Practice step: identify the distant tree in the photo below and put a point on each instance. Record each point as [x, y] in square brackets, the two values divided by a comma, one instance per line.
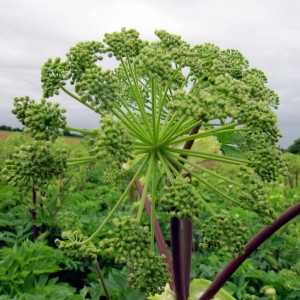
[295, 147]
[8, 128]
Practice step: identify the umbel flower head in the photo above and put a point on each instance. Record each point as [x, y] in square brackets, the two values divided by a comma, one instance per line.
[42, 120]
[74, 246]
[182, 200]
[129, 241]
[34, 166]
[113, 144]
[162, 98]
[224, 232]
[150, 275]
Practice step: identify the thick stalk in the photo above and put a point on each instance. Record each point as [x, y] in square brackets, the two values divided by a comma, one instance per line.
[177, 258]
[187, 246]
[250, 247]
[161, 244]
[187, 230]
[100, 275]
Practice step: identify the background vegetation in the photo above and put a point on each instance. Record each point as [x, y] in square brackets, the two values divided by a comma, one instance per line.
[37, 270]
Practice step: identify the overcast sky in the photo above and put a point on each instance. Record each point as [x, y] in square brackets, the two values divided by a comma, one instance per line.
[267, 32]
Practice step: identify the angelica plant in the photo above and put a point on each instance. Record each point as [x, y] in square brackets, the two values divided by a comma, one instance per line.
[158, 109]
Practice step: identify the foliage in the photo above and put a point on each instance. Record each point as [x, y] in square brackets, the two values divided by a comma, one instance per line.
[295, 147]
[25, 270]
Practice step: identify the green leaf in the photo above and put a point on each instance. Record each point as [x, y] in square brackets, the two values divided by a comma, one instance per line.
[199, 286]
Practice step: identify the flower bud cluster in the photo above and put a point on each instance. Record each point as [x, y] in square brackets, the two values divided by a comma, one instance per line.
[209, 62]
[43, 120]
[116, 177]
[253, 195]
[97, 87]
[83, 56]
[256, 80]
[182, 200]
[155, 62]
[268, 162]
[54, 74]
[259, 116]
[204, 57]
[224, 232]
[236, 64]
[129, 241]
[33, 166]
[124, 43]
[150, 275]
[113, 143]
[72, 246]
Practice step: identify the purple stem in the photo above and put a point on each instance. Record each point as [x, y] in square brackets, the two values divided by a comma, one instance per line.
[251, 246]
[187, 245]
[177, 258]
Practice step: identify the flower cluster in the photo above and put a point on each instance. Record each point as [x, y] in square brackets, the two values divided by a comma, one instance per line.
[113, 144]
[182, 200]
[268, 162]
[150, 275]
[42, 120]
[129, 242]
[33, 166]
[53, 76]
[253, 196]
[124, 43]
[224, 232]
[116, 177]
[97, 87]
[74, 246]
[155, 62]
[83, 56]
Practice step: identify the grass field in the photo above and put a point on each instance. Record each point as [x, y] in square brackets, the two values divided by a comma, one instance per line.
[5, 134]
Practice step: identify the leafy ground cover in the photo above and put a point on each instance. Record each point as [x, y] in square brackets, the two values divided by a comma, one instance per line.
[39, 271]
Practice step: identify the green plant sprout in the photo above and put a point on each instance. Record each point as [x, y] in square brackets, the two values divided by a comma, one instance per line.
[163, 111]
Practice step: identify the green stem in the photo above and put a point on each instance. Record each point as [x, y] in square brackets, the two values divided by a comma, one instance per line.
[153, 199]
[201, 134]
[139, 171]
[145, 190]
[139, 135]
[100, 275]
[167, 125]
[168, 136]
[209, 133]
[165, 166]
[132, 116]
[79, 162]
[88, 132]
[136, 92]
[222, 158]
[153, 100]
[188, 162]
[165, 94]
[203, 181]
[79, 100]
[187, 129]
[77, 159]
